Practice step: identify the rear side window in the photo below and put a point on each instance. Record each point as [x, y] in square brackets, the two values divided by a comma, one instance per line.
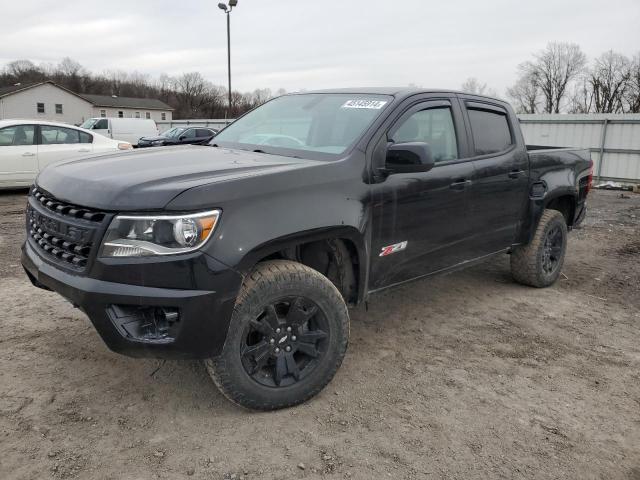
[203, 132]
[491, 133]
[50, 135]
[85, 137]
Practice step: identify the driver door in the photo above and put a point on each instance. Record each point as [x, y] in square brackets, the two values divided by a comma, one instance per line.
[420, 222]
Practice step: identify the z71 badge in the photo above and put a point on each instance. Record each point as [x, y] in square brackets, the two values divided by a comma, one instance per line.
[396, 247]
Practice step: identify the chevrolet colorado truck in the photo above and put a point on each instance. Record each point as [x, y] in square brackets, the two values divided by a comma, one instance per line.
[247, 252]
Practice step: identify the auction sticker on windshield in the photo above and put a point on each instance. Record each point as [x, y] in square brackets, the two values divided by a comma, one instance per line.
[373, 104]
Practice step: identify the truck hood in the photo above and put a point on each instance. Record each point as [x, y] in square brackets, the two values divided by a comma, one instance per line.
[149, 179]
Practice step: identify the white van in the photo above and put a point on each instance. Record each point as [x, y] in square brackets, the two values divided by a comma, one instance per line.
[125, 129]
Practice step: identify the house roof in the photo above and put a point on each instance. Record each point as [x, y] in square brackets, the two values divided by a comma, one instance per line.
[126, 102]
[4, 91]
[96, 100]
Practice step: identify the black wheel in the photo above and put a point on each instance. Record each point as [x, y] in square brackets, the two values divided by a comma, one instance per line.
[288, 336]
[539, 263]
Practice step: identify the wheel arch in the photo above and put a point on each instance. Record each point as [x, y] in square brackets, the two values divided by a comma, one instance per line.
[348, 246]
[562, 199]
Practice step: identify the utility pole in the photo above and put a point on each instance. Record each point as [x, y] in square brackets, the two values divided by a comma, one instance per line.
[227, 9]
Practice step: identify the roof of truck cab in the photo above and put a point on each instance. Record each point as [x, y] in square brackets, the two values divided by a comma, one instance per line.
[399, 92]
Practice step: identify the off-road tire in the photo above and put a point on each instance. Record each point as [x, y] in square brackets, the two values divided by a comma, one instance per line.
[527, 260]
[268, 281]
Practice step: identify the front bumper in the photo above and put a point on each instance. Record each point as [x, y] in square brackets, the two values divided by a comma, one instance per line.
[204, 312]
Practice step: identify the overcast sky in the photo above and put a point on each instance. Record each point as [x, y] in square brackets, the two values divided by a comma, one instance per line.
[306, 44]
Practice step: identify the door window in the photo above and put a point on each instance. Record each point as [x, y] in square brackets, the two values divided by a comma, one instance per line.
[491, 133]
[191, 133]
[433, 126]
[16, 135]
[50, 135]
[203, 132]
[102, 124]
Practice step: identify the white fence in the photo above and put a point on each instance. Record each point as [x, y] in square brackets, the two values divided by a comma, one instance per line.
[613, 139]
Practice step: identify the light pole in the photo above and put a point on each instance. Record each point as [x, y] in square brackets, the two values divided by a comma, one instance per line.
[227, 10]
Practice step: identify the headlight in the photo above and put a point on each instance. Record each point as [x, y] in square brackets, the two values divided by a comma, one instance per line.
[141, 236]
[157, 142]
[125, 146]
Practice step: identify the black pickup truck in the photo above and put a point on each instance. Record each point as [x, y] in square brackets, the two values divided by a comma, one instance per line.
[247, 252]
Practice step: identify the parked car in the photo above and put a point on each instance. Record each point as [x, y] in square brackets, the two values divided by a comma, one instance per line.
[27, 146]
[179, 136]
[248, 254]
[125, 129]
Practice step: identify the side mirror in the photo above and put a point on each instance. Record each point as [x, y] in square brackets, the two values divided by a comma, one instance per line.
[409, 157]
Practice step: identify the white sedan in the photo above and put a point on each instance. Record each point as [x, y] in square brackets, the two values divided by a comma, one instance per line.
[27, 146]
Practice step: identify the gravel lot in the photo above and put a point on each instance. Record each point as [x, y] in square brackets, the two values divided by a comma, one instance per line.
[464, 376]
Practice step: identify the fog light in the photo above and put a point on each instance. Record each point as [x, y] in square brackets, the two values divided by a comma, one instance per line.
[145, 324]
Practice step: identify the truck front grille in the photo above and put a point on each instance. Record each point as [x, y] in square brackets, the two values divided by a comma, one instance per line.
[65, 233]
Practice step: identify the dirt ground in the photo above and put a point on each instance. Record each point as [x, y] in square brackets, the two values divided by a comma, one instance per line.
[466, 376]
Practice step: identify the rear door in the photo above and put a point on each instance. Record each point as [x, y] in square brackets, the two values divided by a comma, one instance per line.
[203, 135]
[188, 136]
[420, 222]
[498, 193]
[61, 143]
[18, 155]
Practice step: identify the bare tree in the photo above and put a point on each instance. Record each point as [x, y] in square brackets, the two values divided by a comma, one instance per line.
[632, 96]
[23, 71]
[582, 99]
[472, 85]
[609, 80]
[72, 71]
[525, 94]
[194, 92]
[554, 68]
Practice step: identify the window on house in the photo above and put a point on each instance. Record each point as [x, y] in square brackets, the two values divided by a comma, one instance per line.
[40, 107]
[163, 116]
[137, 114]
[103, 113]
[147, 115]
[59, 108]
[120, 114]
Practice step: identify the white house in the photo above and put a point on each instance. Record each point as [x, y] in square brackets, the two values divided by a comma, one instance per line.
[48, 101]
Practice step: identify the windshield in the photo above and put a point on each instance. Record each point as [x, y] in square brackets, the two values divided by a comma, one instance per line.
[314, 122]
[173, 132]
[89, 123]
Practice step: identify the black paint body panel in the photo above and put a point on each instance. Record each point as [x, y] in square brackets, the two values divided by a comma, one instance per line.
[453, 215]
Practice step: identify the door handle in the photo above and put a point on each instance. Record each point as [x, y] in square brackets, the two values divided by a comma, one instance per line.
[515, 173]
[84, 150]
[460, 184]
[28, 154]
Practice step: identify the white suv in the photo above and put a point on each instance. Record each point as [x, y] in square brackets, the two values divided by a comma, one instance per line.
[27, 146]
